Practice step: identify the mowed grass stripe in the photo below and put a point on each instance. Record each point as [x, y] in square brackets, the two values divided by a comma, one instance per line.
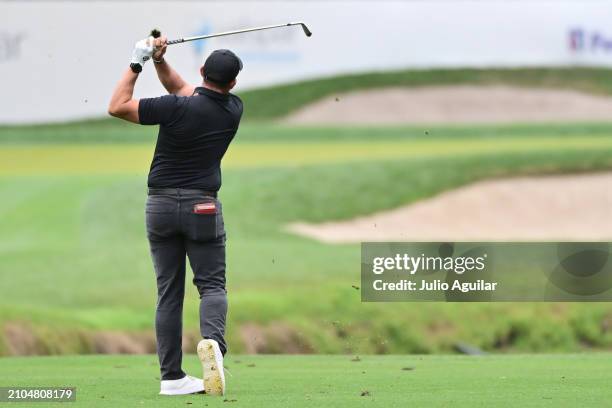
[135, 158]
[334, 381]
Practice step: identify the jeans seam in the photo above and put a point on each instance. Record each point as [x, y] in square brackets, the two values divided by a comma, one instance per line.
[178, 210]
[216, 231]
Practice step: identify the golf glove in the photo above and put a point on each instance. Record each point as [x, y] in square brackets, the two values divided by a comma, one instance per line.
[143, 50]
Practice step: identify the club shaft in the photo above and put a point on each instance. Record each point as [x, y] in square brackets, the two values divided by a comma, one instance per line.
[245, 30]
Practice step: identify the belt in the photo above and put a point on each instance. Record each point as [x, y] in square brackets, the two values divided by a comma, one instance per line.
[181, 192]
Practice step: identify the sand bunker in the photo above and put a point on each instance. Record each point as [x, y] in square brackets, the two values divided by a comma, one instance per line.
[571, 207]
[455, 104]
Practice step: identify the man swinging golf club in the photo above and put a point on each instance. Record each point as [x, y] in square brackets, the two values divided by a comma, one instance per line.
[183, 214]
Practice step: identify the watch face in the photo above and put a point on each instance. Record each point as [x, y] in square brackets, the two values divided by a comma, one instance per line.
[136, 67]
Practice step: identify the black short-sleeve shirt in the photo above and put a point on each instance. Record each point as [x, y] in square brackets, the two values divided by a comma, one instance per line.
[194, 134]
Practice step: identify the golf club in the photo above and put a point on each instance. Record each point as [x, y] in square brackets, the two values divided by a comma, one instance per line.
[156, 33]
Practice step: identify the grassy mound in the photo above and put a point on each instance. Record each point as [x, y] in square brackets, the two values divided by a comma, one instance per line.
[273, 102]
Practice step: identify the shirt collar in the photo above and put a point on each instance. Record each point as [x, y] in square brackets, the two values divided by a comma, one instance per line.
[209, 92]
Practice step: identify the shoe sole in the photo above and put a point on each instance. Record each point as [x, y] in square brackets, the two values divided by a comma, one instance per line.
[194, 389]
[212, 368]
[188, 391]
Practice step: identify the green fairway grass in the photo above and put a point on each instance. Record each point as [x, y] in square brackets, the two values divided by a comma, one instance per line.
[20, 160]
[333, 381]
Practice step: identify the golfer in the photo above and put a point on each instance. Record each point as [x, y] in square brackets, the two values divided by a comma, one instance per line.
[183, 213]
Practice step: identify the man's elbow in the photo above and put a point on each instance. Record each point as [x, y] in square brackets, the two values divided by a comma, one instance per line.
[126, 111]
[114, 111]
[119, 111]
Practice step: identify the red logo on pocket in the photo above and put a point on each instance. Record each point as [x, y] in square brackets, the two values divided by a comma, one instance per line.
[205, 208]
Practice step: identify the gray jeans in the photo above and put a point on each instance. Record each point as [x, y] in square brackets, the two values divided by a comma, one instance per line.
[184, 223]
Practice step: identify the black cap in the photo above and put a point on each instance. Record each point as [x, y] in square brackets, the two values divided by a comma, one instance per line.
[222, 66]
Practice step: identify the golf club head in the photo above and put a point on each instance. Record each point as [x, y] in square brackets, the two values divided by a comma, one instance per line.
[306, 30]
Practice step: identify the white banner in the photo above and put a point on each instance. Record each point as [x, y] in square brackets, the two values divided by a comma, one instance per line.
[60, 60]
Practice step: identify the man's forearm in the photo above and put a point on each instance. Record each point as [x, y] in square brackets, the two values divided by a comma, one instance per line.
[125, 88]
[169, 78]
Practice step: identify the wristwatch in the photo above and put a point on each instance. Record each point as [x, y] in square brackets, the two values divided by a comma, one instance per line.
[135, 67]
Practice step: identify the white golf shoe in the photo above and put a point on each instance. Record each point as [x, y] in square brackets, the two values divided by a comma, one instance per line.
[186, 385]
[212, 366]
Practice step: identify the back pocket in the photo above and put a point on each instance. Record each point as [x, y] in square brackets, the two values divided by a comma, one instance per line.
[203, 220]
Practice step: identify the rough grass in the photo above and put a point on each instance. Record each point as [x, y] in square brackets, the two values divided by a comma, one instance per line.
[333, 381]
[118, 132]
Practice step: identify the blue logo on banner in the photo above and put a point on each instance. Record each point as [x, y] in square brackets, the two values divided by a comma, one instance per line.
[200, 46]
[576, 40]
[581, 41]
[260, 47]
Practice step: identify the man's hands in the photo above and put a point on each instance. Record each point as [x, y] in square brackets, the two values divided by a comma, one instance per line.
[160, 44]
[143, 50]
[146, 49]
